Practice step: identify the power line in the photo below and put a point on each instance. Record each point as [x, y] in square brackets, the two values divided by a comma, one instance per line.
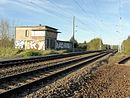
[102, 24]
[105, 25]
[67, 12]
[54, 4]
[120, 7]
[58, 7]
[85, 12]
[80, 7]
[50, 12]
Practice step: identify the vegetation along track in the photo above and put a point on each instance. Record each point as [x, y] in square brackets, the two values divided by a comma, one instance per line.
[14, 84]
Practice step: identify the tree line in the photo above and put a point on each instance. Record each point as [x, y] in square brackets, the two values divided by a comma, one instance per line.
[126, 45]
[94, 44]
[97, 44]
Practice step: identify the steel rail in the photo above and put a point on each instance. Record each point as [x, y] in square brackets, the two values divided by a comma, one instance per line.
[124, 60]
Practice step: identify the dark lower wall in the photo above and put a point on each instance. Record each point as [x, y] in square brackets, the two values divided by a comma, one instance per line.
[63, 45]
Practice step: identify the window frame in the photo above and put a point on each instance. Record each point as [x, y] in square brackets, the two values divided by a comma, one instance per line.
[26, 33]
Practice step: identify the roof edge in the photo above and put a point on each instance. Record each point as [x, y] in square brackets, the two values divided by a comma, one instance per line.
[35, 27]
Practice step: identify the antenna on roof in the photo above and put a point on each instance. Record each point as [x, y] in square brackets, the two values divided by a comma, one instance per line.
[39, 24]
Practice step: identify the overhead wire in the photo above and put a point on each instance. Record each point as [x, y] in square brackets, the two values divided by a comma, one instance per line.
[51, 12]
[95, 12]
[120, 7]
[83, 24]
[68, 13]
[63, 10]
[59, 8]
[94, 22]
[99, 17]
[54, 4]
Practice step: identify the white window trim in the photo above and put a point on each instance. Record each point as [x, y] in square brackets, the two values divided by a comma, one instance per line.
[37, 33]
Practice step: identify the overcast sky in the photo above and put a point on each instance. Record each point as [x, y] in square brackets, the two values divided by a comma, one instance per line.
[93, 18]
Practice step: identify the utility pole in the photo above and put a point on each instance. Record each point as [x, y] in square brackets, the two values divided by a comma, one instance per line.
[120, 48]
[100, 42]
[73, 30]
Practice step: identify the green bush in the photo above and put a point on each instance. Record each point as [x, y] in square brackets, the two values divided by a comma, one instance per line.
[83, 45]
[32, 53]
[126, 45]
[94, 44]
[75, 42]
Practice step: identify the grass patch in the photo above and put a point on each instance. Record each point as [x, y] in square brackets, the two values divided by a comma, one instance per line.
[29, 53]
[17, 53]
[47, 52]
[8, 53]
[118, 56]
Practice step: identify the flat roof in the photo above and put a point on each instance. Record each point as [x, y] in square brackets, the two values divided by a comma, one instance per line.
[45, 30]
[36, 26]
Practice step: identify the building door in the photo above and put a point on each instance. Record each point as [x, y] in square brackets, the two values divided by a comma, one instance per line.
[47, 44]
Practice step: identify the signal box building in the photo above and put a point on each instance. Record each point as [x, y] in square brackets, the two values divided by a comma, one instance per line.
[39, 37]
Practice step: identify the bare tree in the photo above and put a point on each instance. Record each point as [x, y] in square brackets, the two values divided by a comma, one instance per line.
[6, 34]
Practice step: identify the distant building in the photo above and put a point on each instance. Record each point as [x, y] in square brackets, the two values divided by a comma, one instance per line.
[38, 37]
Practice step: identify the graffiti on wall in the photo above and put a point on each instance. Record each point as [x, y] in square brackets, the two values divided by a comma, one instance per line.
[19, 44]
[30, 44]
[40, 44]
[62, 45]
[35, 44]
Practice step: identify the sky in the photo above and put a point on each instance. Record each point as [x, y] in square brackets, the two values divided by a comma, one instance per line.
[93, 18]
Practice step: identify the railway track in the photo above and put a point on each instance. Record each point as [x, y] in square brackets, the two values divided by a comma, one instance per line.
[15, 84]
[28, 60]
[10, 70]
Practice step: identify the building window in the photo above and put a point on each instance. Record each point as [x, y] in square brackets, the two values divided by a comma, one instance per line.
[26, 33]
[37, 33]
